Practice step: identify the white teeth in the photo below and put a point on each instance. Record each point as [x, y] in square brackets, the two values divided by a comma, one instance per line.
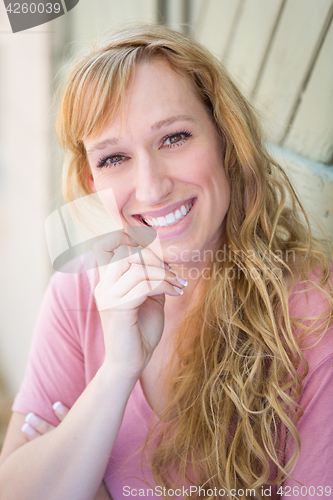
[178, 214]
[170, 218]
[161, 221]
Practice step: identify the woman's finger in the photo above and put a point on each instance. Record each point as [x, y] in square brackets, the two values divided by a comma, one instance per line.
[35, 426]
[29, 432]
[138, 273]
[38, 423]
[121, 263]
[138, 294]
[127, 286]
[60, 410]
[104, 249]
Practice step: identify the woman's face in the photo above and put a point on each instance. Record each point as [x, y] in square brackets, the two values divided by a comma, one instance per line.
[162, 158]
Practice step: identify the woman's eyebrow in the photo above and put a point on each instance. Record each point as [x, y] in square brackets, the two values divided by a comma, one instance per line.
[172, 119]
[102, 145]
[113, 141]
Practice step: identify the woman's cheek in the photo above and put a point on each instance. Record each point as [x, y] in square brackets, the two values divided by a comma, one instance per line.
[110, 193]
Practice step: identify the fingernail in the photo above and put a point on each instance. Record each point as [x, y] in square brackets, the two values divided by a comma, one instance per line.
[59, 407]
[179, 290]
[32, 419]
[167, 267]
[27, 429]
[182, 281]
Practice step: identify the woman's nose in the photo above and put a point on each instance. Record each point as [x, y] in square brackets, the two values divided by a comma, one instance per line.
[153, 180]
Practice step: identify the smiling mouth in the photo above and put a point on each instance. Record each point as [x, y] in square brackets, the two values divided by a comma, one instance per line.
[170, 219]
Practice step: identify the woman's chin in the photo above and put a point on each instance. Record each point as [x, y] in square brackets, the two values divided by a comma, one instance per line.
[177, 254]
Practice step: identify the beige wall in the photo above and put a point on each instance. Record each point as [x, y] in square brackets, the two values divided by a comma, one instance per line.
[25, 189]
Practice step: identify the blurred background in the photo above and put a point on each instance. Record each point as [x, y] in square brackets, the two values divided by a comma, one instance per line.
[279, 52]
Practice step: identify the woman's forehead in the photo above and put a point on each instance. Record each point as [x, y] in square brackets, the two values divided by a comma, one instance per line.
[155, 95]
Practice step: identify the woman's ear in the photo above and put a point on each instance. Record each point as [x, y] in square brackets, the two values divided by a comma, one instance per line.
[91, 183]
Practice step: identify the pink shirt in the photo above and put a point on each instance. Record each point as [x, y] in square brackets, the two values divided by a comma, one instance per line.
[68, 349]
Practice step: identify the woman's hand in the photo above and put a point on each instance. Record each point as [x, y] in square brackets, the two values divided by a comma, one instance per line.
[35, 427]
[130, 297]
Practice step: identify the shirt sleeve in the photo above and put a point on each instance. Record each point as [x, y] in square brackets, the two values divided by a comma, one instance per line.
[55, 370]
[314, 467]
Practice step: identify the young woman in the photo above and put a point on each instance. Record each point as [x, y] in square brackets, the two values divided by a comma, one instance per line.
[202, 372]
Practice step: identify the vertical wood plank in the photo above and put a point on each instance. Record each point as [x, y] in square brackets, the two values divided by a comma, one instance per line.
[252, 37]
[313, 182]
[292, 54]
[312, 130]
[216, 26]
[174, 14]
[197, 10]
[107, 13]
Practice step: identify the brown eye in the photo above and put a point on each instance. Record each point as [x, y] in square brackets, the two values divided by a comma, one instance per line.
[111, 161]
[114, 159]
[175, 138]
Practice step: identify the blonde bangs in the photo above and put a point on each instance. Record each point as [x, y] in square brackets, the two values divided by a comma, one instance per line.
[93, 95]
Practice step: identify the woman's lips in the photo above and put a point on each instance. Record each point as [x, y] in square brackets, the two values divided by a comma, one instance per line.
[166, 210]
[176, 228]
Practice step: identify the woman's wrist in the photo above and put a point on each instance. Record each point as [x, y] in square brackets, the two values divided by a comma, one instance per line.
[113, 378]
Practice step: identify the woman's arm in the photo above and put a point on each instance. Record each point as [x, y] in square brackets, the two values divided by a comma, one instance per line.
[102, 493]
[20, 432]
[69, 461]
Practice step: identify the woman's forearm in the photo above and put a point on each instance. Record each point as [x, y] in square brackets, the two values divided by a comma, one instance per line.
[103, 493]
[70, 461]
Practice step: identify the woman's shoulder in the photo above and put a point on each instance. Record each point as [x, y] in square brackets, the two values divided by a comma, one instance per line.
[73, 284]
[69, 313]
[311, 307]
[313, 293]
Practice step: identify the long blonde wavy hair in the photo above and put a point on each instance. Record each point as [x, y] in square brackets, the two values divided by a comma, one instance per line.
[238, 380]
